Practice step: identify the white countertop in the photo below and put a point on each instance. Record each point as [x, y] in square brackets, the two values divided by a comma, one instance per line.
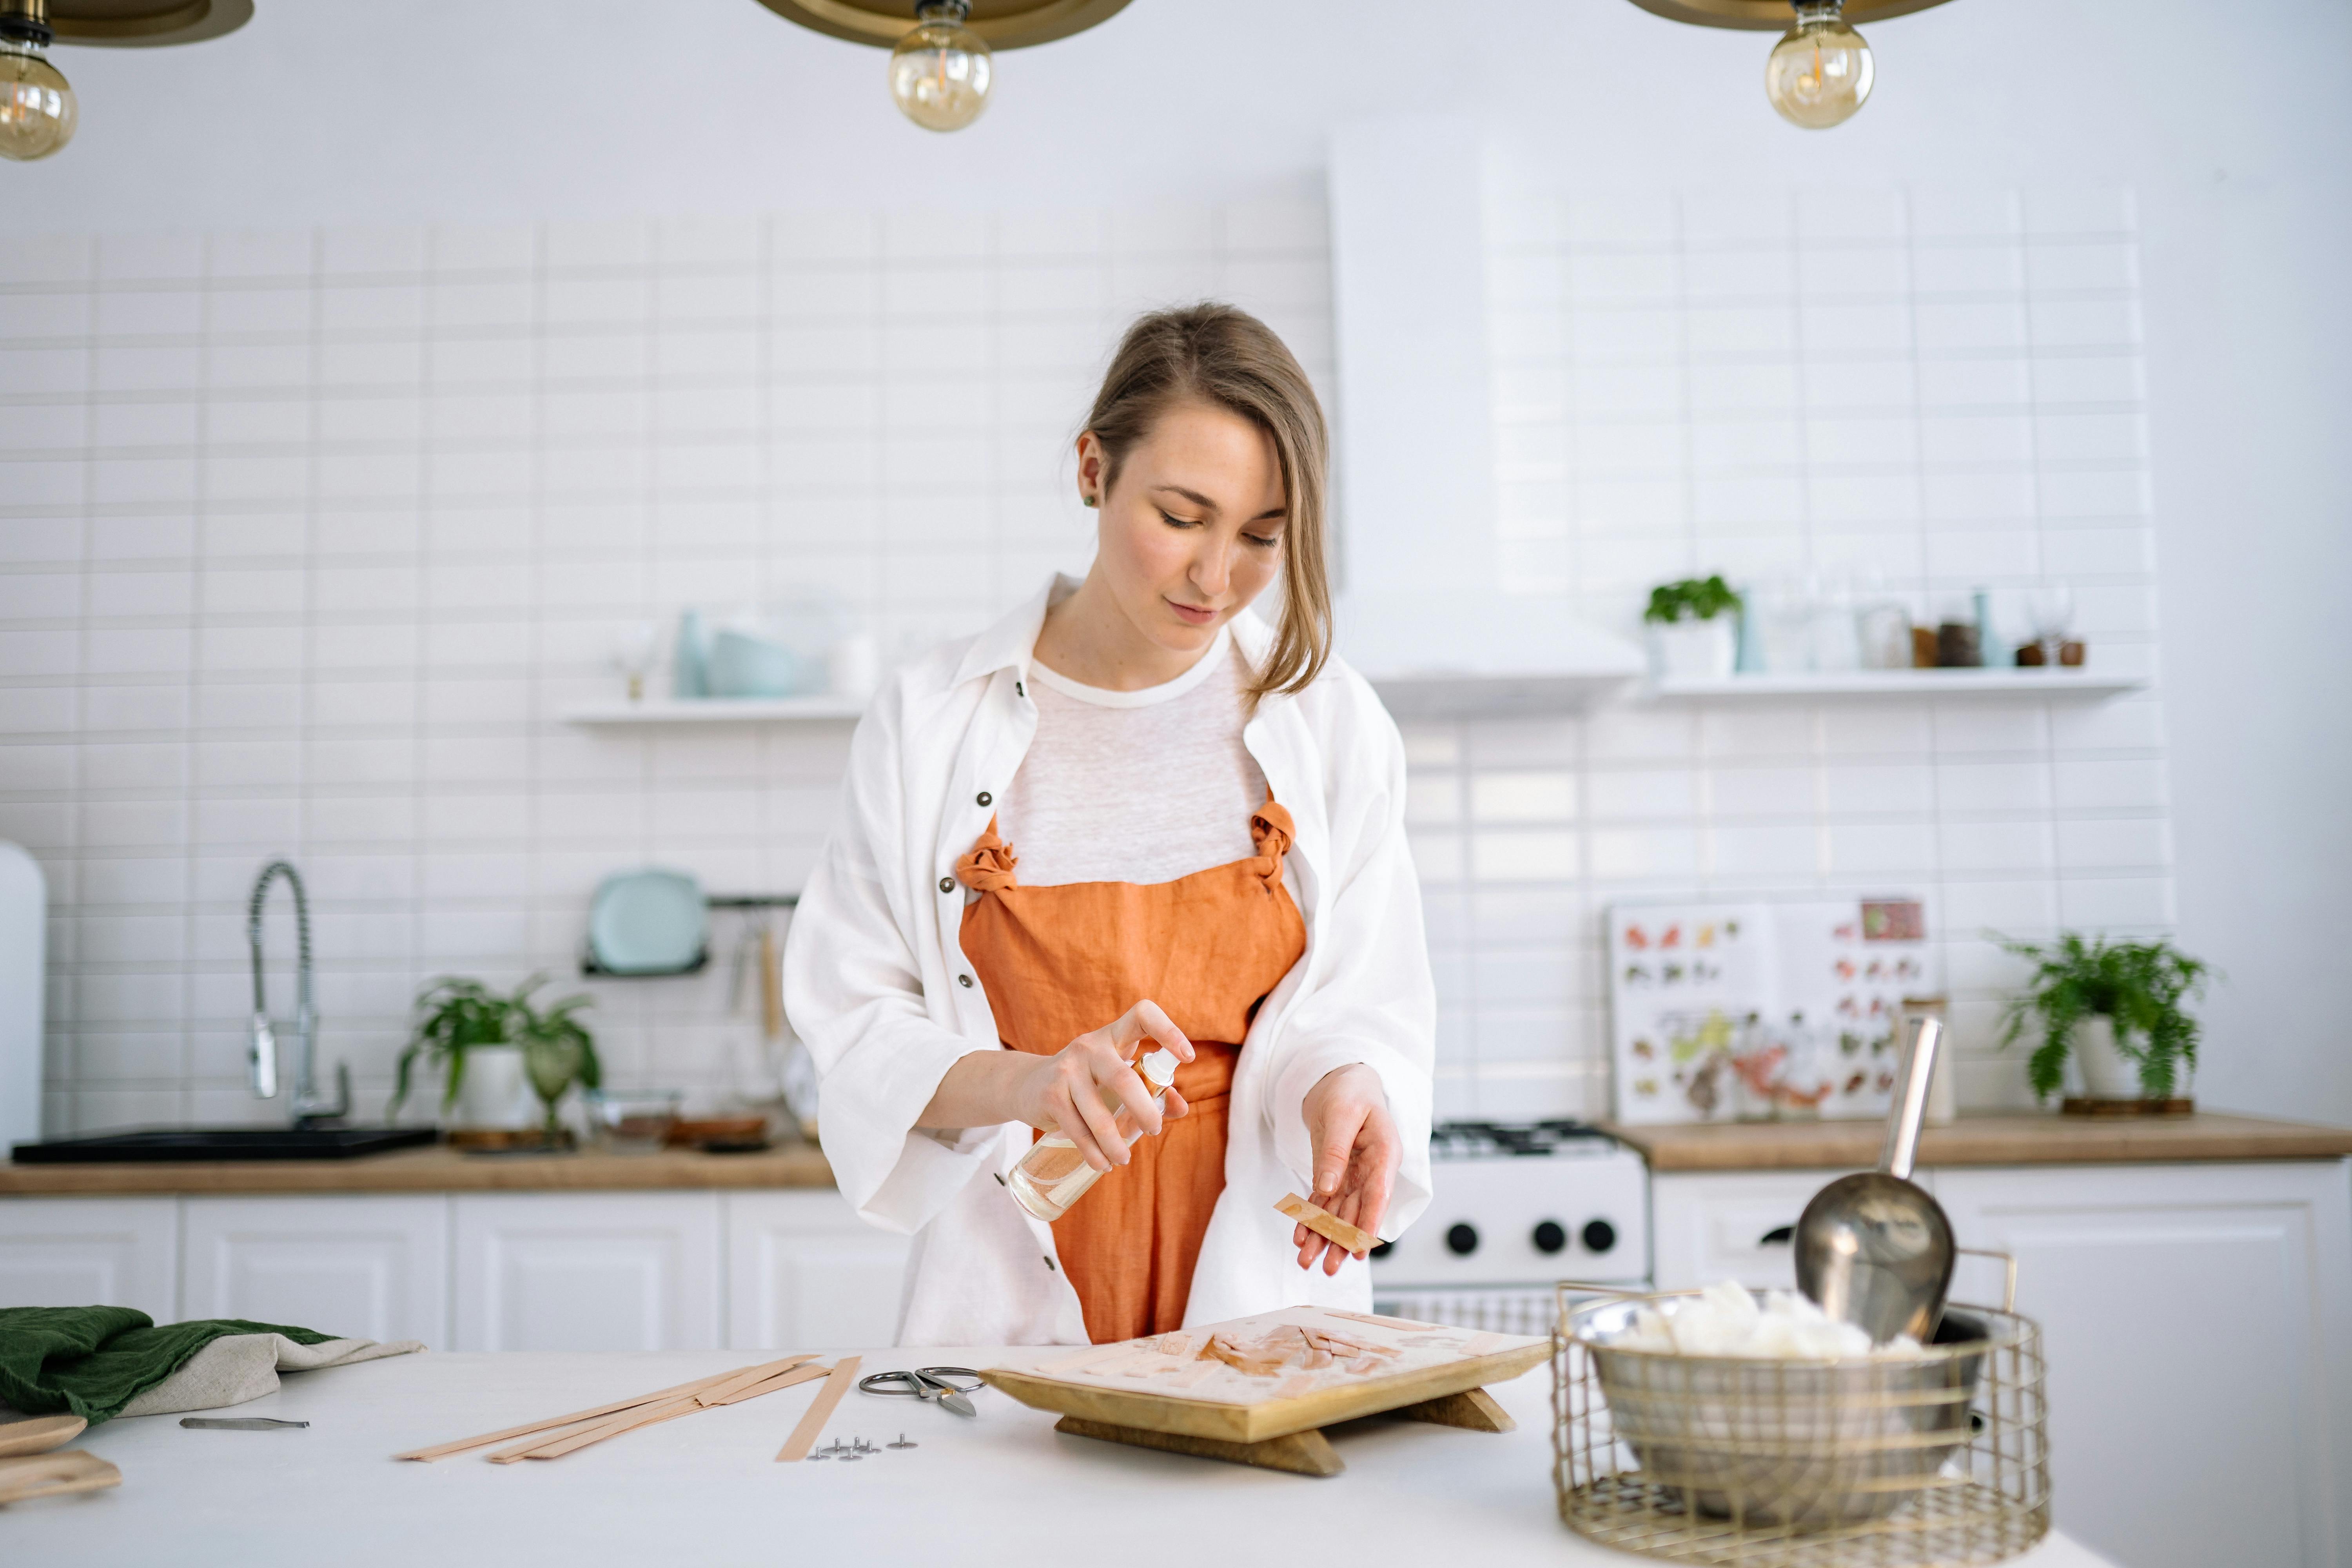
[1003, 1488]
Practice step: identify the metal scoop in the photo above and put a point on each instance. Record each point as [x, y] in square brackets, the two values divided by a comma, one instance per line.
[1874, 1248]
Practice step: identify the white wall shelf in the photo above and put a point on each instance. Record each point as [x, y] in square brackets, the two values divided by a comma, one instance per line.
[827, 709]
[2062, 685]
[1488, 696]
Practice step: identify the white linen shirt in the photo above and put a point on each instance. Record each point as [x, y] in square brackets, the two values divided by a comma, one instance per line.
[877, 983]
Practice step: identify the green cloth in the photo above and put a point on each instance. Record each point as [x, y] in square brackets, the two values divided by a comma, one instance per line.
[93, 1361]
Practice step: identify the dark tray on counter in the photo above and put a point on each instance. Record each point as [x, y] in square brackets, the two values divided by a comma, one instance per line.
[179, 1143]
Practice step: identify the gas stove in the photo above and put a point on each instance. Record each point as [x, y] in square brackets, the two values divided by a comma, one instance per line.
[1492, 1140]
[1518, 1205]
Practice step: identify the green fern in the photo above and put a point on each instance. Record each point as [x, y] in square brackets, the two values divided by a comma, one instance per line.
[2139, 986]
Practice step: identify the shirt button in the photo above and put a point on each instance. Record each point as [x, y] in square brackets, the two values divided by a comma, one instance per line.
[964, 981]
[985, 798]
[947, 884]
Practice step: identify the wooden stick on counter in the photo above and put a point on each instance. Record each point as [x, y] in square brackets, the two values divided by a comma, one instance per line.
[543, 1447]
[781, 1380]
[742, 1377]
[751, 1377]
[442, 1450]
[820, 1410]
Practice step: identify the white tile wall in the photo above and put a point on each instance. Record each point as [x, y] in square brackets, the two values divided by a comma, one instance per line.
[1941, 388]
[308, 538]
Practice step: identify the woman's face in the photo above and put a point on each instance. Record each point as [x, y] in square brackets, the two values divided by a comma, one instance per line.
[1191, 530]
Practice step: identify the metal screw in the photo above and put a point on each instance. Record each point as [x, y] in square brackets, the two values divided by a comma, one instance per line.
[902, 1443]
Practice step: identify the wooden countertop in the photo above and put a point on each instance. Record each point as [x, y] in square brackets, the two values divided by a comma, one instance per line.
[436, 1170]
[2046, 1138]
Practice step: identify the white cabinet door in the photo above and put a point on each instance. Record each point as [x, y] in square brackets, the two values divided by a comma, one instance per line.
[2197, 1320]
[587, 1271]
[804, 1273]
[358, 1267]
[92, 1252]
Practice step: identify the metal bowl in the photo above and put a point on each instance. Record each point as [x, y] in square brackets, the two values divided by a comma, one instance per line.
[1796, 1445]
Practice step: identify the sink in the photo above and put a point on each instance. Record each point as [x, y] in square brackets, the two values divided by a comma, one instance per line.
[222, 1144]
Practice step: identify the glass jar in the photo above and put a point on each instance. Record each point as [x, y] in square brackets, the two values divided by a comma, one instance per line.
[1052, 1174]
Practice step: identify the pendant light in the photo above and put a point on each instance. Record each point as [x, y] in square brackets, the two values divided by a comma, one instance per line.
[942, 51]
[1821, 71]
[38, 107]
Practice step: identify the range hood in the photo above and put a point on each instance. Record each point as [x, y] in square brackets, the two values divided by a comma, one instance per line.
[1422, 610]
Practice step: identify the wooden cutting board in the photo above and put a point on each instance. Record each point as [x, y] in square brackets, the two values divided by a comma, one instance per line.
[1155, 1394]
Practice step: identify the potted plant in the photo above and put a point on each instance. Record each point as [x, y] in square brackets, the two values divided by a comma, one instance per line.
[1693, 629]
[2118, 1008]
[488, 1044]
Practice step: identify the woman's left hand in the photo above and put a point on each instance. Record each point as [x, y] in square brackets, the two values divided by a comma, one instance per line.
[1356, 1154]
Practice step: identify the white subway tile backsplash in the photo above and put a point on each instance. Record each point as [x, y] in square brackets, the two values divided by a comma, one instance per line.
[2142, 905]
[400, 496]
[1529, 855]
[1788, 852]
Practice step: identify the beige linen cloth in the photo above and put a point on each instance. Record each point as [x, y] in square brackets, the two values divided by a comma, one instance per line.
[239, 1367]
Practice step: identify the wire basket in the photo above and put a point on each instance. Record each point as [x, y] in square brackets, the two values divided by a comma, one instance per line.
[1938, 1460]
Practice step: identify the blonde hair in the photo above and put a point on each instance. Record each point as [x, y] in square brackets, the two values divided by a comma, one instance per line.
[1228, 358]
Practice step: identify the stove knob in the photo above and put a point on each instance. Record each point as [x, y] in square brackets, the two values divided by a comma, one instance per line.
[1462, 1240]
[1549, 1236]
[1600, 1236]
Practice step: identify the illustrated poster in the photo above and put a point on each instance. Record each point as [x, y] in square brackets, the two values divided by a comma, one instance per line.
[1760, 1011]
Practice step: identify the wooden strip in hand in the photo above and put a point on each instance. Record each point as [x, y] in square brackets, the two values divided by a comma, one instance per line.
[804, 1436]
[442, 1450]
[1328, 1225]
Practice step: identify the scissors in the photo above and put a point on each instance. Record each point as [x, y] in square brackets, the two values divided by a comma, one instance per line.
[927, 1383]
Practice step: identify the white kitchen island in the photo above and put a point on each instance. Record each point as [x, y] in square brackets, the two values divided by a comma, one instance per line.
[1003, 1488]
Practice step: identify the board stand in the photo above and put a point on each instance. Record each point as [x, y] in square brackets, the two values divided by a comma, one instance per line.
[1307, 1453]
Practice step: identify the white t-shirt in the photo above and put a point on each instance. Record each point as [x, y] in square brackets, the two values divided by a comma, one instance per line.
[1134, 786]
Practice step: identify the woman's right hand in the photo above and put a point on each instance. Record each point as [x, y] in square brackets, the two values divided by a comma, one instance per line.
[1073, 1091]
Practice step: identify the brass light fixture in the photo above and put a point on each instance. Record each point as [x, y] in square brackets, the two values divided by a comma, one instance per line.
[38, 108]
[1820, 71]
[941, 51]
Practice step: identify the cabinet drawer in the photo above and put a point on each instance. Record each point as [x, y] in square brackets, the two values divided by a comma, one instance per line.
[806, 1273]
[82, 1252]
[355, 1266]
[591, 1271]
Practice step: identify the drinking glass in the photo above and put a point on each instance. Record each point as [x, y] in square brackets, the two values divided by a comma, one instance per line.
[2051, 609]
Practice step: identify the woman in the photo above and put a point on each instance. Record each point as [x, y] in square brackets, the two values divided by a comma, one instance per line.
[1127, 817]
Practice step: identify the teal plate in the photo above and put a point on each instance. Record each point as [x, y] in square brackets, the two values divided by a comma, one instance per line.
[652, 922]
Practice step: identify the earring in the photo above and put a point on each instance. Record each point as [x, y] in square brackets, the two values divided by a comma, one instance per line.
[1091, 500]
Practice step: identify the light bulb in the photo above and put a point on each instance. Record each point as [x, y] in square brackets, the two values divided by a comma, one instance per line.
[37, 104]
[1819, 71]
[940, 71]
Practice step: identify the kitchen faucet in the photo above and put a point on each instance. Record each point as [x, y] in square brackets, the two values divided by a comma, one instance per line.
[307, 1107]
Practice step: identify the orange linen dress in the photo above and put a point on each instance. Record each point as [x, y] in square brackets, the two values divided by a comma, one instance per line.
[1060, 960]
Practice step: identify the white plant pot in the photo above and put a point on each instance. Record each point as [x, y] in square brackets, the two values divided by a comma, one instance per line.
[1694, 650]
[2107, 1073]
[495, 1093]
